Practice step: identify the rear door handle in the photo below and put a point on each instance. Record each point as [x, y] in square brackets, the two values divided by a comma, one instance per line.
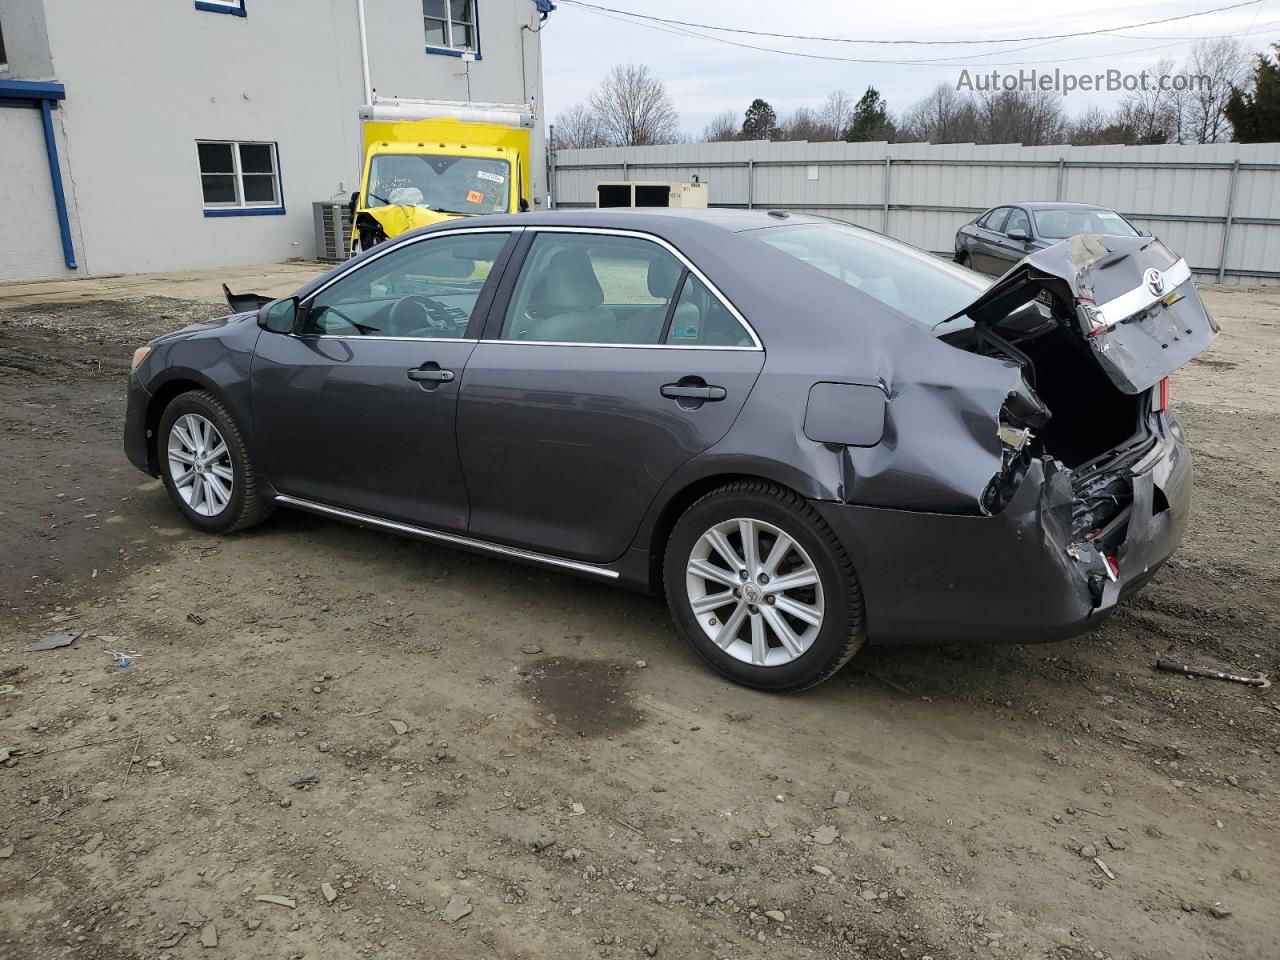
[430, 374]
[677, 391]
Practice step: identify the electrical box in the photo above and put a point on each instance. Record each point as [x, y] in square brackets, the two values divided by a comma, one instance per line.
[632, 193]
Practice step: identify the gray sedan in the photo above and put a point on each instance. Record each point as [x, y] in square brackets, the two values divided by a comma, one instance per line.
[996, 239]
[803, 434]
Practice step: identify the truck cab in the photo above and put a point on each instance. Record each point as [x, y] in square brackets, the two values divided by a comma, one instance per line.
[418, 172]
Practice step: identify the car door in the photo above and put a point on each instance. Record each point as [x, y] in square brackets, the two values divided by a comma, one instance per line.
[986, 241]
[608, 361]
[1010, 250]
[356, 408]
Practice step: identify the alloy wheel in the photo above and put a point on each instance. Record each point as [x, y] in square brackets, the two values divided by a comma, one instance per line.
[200, 465]
[755, 592]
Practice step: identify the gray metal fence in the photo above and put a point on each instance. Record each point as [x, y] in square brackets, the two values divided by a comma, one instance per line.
[1216, 204]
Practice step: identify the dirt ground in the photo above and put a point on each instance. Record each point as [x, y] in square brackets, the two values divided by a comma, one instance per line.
[515, 764]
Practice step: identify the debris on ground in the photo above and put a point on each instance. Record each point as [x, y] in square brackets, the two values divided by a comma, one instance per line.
[277, 900]
[306, 780]
[399, 726]
[329, 893]
[531, 648]
[53, 641]
[458, 907]
[541, 843]
[209, 935]
[1248, 679]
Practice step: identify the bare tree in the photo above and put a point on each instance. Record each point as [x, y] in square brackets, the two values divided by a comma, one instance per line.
[723, 126]
[1154, 110]
[944, 116]
[1214, 67]
[805, 124]
[634, 108]
[1030, 117]
[837, 113]
[578, 127]
[1097, 127]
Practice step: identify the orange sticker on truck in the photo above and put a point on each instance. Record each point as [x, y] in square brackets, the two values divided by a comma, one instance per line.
[475, 196]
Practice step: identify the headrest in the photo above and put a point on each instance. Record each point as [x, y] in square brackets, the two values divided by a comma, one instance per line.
[571, 282]
[663, 274]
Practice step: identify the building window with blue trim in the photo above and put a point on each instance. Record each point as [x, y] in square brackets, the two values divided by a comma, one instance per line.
[233, 7]
[451, 26]
[239, 179]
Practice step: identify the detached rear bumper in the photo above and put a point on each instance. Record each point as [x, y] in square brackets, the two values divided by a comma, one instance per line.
[1014, 577]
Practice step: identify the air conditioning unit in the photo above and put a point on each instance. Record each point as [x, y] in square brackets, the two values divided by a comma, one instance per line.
[657, 193]
[333, 230]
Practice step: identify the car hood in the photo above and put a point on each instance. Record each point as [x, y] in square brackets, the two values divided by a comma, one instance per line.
[1130, 298]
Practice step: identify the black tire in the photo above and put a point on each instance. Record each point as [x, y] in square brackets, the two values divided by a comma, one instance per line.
[246, 506]
[843, 628]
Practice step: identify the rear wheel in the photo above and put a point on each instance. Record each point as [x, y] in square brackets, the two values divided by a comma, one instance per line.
[205, 465]
[762, 589]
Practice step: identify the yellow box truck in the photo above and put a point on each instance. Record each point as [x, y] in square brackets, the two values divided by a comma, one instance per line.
[431, 160]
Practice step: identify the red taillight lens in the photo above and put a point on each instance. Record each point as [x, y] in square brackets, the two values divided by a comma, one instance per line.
[1162, 396]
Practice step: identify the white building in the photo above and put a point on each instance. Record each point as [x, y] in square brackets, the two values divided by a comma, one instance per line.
[150, 135]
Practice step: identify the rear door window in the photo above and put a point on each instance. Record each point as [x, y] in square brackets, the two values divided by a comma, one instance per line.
[996, 218]
[701, 319]
[593, 288]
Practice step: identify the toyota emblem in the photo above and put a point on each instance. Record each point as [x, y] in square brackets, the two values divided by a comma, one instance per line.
[1154, 280]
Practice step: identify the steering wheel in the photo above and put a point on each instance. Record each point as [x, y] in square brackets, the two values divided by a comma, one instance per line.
[415, 312]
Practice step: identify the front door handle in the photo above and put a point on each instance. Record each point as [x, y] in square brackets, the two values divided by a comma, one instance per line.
[682, 391]
[430, 373]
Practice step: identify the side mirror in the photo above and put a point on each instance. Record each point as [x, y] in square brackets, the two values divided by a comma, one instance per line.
[1144, 233]
[1017, 233]
[279, 316]
[524, 205]
[355, 202]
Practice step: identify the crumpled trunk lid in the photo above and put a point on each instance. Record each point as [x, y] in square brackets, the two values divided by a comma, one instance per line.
[1130, 298]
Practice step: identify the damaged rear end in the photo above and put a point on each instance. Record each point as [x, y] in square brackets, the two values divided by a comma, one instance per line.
[1096, 325]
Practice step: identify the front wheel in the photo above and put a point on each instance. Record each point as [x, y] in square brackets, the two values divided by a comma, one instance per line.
[206, 466]
[762, 589]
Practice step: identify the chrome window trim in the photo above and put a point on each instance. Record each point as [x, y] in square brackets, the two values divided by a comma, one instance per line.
[685, 261]
[393, 247]
[621, 346]
[427, 534]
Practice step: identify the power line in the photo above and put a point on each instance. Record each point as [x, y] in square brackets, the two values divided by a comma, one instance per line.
[971, 59]
[800, 36]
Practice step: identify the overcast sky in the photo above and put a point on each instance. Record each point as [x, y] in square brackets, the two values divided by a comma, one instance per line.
[706, 77]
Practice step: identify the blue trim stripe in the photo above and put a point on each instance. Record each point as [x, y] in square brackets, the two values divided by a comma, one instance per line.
[236, 11]
[246, 212]
[450, 52]
[31, 90]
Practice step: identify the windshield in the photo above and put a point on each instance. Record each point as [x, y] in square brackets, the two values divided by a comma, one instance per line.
[925, 288]
[448, 184]
[1060, 224]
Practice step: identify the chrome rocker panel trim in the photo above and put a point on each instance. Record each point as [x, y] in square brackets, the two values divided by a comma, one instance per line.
[424, 533]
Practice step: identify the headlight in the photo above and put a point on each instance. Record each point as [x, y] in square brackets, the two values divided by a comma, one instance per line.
[138, 356]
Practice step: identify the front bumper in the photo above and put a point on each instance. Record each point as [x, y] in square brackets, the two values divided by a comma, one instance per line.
[137, 445]
[1010, 578]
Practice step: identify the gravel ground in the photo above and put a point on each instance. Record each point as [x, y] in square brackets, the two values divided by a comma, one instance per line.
[420, 752]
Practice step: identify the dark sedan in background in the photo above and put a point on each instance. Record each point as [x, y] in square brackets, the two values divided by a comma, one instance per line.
[996, 239]
[802, 433]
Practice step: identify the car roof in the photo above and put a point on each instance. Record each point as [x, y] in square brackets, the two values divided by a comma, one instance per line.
[1052, 205]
